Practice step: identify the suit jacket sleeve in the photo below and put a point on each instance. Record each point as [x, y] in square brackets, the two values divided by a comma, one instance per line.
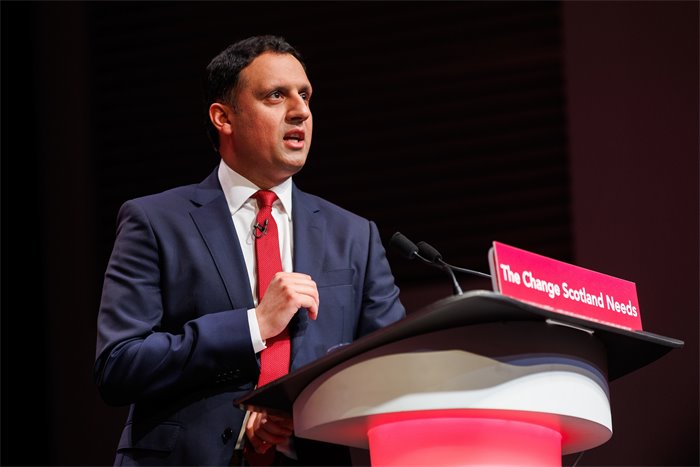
[380, 299]
[144, 350]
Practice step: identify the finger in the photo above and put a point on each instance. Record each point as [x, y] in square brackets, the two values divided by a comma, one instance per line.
[273, 433]
[312, 310]
[308, 289]
[278, 428]
[313, 313]
[260, 446]
[269, 438]
[255, 441]
[263, 432]
[293, 275]
[291, 278]
[304, 300]
[305, 287]
[309, 299]
[252, 421]
[282, 420]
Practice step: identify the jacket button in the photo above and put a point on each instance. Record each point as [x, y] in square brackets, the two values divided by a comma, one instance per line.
[227, 434]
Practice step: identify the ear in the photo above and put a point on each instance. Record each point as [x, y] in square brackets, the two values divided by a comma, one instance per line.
[220, 116]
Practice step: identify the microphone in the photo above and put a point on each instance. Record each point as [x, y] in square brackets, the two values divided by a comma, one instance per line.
[404, 245]
[430, 253]
[431, 256]
[260, 230]
[409, 249]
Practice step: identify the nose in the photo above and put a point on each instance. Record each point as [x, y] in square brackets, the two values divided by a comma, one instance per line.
[298, 110]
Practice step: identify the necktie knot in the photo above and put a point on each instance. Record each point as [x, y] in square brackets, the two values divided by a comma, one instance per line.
[265, 198]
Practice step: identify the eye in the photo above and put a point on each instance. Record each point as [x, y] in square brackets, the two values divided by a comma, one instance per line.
[276, 95]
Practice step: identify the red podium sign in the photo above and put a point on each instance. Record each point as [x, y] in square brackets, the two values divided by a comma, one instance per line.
[564, 288]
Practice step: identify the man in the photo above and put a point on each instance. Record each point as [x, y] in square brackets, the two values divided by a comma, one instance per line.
[181, 329]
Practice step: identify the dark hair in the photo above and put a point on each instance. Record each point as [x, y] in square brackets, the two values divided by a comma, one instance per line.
[224, 69]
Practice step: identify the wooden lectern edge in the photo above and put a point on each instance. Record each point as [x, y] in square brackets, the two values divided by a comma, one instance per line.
[628, 350]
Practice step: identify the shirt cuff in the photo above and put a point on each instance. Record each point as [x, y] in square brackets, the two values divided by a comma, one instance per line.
[255, 337]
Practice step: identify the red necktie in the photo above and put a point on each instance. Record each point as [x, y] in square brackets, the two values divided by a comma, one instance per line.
[274, 359]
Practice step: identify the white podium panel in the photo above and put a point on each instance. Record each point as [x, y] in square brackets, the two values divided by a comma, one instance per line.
[548, 375]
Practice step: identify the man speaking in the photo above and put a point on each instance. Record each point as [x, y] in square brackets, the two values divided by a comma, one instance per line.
[215, 288]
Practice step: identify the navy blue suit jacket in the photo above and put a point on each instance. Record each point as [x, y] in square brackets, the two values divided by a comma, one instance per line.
[173, 338]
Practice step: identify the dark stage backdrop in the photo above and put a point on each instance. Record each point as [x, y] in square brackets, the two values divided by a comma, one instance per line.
[445, 121]
[457, 123]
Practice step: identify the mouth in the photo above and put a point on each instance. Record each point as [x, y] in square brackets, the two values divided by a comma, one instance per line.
[294, 135]
[294, 139]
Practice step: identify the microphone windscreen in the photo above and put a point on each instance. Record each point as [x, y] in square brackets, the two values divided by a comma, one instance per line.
[428, 252]
[404, 245]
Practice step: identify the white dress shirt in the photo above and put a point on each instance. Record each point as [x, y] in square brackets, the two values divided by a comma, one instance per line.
[238, 191]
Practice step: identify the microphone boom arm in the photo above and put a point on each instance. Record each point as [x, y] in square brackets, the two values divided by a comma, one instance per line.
[431, 256]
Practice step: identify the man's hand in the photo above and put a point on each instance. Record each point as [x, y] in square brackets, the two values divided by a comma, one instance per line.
[264, 430]
[287, 292]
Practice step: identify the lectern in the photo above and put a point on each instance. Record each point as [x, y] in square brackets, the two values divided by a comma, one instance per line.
[479, 378]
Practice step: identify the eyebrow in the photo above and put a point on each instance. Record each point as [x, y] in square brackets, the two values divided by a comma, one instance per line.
[266, 89]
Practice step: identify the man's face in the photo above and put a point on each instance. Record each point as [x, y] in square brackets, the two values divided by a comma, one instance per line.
[271, 123]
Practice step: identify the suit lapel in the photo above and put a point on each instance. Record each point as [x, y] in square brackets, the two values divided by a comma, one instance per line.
[213, 220]
[309, 233]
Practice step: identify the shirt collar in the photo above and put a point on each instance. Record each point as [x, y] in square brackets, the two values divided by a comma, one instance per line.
[239, 189]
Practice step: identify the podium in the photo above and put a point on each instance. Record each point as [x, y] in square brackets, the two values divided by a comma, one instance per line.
[479, 378]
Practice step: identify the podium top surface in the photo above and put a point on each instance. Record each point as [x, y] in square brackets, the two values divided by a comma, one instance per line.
[627, 350]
